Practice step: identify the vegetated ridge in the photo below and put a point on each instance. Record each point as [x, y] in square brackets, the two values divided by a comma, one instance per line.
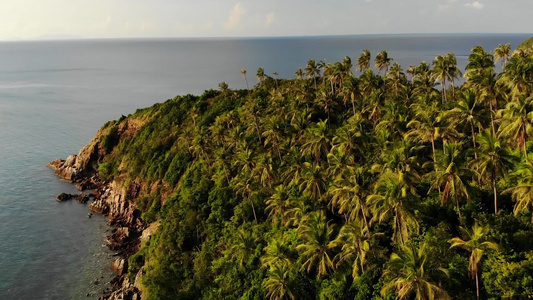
[384, 185]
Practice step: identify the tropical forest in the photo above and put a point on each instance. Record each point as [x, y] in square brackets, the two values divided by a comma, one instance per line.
[357, 179]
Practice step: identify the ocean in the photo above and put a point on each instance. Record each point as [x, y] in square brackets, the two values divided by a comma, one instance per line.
[55, 95]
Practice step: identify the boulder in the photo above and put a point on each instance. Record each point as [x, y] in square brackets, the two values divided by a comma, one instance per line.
[64, 197]
[82, 198]
[119, 266]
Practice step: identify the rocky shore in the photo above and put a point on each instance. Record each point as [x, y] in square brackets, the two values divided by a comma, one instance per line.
[110, 199]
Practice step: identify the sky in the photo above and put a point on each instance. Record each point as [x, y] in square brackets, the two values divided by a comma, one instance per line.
[59, 19]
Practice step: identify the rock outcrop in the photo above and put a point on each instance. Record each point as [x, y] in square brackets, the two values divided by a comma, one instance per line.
[110, 198]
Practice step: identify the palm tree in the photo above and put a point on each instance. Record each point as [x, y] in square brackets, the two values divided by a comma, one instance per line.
[347, 65]
[326, 101]
[260, 75]
[494, 160]
[273, 133]
[311, 70]
[518, 76]
[412, 276]
[393, 198]
[243, 72]
[353, 239]
[517, 121]
[278, 284]
[522, 193]
[313, 181]
[242, 246]
[318, 141]
[315, 235]
[223, 87]
[467, 112]
[348, 195]
[299, 73]
[452, 173]
[396, 79]
[279, 250]
[445, 68]
[363, 62]
[502, 52]
[428, 126]
[275, 75]
[440, 73]
[278, 204]
[476, 242]
[453, 71]
[382, 61]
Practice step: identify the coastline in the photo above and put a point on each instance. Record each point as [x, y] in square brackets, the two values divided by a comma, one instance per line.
[109, 199]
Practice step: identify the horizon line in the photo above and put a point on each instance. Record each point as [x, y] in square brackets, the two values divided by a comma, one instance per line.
[64, 39]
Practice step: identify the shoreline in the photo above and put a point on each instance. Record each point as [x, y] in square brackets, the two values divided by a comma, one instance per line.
[109, 200]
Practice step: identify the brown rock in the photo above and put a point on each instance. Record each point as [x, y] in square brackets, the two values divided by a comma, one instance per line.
[64, 197]
[82, 198]
[119, 266]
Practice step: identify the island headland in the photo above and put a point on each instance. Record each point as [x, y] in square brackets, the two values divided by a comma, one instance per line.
[384, 184]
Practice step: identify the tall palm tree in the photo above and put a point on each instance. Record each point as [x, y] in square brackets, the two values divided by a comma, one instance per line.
[382, 61]
[363, 62]
[522, 193]
[223, 87]
[311, 70]
[502, 52]
[318, 141]
[275, 75]
[412, 276]
[445, 68]
[273, 133]
[299, 73]
[453, 72]
[428, 126]
[278, 204]
[476, 242]
[242, 246]
[243, 72]
[467, 113]
[518, 76]
[452, 174]
[517, 121]
[393, 199]
[353, 239]
[396, 79]
[347, 65]
[279, 283]
[315, 235]
[351, 91]
[494, 161]
[260, 75]
[348, 195]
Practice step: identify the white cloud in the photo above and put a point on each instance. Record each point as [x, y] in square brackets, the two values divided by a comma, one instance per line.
[476, 5]
[270, 18]
[235, 17]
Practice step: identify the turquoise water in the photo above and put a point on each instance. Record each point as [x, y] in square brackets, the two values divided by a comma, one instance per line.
[55, 95]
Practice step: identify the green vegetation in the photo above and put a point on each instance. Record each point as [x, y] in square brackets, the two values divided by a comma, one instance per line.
[527, 44]
[337, 186]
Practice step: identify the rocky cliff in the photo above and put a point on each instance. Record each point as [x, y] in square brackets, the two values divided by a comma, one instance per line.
[110, 199]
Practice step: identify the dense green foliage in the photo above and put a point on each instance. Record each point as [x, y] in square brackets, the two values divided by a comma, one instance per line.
[527, 44]
[337, 186]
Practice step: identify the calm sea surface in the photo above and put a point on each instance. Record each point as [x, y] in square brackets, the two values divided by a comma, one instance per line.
[55, 95]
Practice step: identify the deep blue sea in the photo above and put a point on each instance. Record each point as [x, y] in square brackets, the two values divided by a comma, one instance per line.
[54, 95]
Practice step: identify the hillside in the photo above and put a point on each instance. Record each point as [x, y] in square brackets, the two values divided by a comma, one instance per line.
[332, 186]
[527, 44]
